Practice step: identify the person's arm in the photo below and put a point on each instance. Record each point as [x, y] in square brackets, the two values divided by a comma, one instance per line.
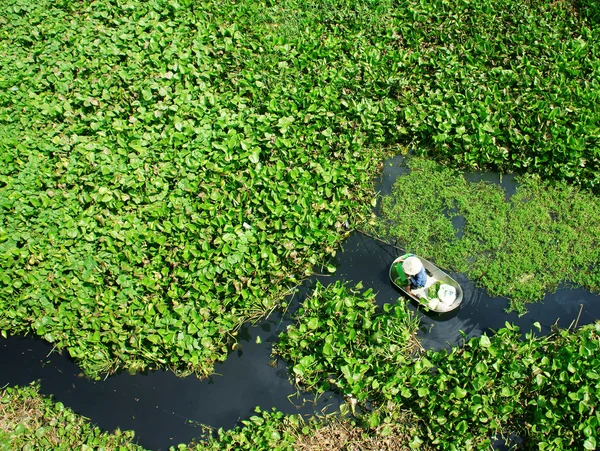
[411, 282]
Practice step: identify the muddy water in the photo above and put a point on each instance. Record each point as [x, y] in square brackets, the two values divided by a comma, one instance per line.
[165, 410]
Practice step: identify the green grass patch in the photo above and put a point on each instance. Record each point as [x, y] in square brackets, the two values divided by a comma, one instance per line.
[545, 235]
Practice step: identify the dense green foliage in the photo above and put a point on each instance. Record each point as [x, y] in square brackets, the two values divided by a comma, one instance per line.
[546, 234]
[341, 329]
[505, 84]
[167, 173]
[168, 168]
[263, 431]
[30, 422]
[590, 9]
[546, 390]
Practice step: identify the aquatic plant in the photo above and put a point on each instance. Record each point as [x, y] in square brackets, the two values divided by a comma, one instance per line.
[167, 173]
[342, 329]
[266, 430]
[169, 168]
[501, 84]
[545, 235]
[542, 389]
[30, 421]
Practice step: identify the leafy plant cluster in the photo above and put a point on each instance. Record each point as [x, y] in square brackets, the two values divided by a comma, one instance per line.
[168, 170]
[503, 84]
[267, 430]
[545, 235]
[543, 389]
[29, 421]
[341, 341]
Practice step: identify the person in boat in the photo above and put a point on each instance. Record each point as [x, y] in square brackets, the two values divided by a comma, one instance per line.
[415, 272]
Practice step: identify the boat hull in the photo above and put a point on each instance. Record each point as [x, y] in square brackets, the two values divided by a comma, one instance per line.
[434, 275]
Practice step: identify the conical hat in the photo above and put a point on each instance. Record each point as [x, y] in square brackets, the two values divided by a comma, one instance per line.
[412, 266]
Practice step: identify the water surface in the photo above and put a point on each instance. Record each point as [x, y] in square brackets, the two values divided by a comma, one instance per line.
[165, 410]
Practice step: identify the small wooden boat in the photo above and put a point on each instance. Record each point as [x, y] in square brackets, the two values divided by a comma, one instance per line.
[440, 294]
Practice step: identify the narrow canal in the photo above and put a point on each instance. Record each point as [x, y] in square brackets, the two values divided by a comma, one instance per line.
[165, 410]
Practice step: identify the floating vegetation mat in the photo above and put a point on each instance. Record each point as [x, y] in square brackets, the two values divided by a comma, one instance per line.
[542, 390]
[158, 184]
[169, 168]
[30, 421]
[545, 235]
[342, 333]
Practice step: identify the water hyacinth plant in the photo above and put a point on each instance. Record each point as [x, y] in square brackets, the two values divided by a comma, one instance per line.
[340, 329]
[545, 235]
[168, 169]
[34, 422]
[159, 186]
[541, 389]
[31, 421]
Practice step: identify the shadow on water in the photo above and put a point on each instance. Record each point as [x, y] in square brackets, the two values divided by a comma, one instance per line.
[165, 410]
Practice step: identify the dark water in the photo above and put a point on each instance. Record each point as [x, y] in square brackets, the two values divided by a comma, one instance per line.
[165, 410]
[367, 260]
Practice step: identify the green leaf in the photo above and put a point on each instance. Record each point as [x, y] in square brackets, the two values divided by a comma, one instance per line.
[313, 323]
[415, 442]
[374, 420]
[386, 431]
[254, 157]
[485, 342]
[423, 391]
[155, 339]
[460, 392]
